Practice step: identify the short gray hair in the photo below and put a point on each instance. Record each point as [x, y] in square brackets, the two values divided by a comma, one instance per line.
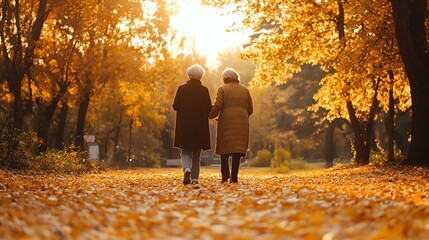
[195, 72]
[230, 74]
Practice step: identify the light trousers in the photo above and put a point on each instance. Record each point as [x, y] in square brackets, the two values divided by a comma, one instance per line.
[191, 159]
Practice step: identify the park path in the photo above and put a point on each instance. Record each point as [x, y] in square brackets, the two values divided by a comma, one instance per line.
[356, 203]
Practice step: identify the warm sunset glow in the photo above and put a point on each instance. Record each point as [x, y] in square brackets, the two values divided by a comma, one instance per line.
[206, 29]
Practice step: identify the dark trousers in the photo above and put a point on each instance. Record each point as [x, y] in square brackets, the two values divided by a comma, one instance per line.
[224, 166]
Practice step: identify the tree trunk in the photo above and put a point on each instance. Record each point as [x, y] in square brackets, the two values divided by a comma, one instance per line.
[118, 129]
[14, 81]
[80, 125]
[409, 20]
[391, 122]
[106, 138]
[370, 123]
[18, 105]
[363, 133]
[59, 143]
[359, 142]
[382, 135]
[130, 140]
[46, 115]
[329, 152]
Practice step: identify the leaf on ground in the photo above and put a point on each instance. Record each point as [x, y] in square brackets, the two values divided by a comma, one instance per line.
[355, 203]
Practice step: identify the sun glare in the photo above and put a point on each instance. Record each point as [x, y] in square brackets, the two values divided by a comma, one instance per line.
[206, 29]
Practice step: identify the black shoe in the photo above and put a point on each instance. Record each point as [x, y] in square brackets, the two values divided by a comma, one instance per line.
[187, 177]
[194, 181]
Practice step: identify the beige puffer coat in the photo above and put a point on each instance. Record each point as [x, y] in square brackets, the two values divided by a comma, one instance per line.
[233, 105]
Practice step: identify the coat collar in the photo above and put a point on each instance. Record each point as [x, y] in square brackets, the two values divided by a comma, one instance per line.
[194, 81]
[231, 81]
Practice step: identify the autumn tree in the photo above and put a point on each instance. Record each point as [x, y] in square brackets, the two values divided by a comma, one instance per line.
[303, 129]
[78, 57]
[281, 118]
[133, 109]
[99, 30]
[56, 69]
[345, 38]
[21, 23]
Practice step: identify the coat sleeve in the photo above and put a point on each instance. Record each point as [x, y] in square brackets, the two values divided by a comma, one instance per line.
[208, 102]
[177, 99]
[217, 105]
[250, 105]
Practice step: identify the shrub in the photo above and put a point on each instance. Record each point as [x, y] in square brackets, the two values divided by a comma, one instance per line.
[282, 169]
[263, 159]
[146, 159]
[299, 165]
[18, 148]
[68, 160]
[281, 159]
[380, 157]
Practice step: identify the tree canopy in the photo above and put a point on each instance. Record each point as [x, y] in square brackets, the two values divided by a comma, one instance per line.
[354, 42]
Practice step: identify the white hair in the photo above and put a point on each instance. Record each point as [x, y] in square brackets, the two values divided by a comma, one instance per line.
[230, 74]
[195, 72]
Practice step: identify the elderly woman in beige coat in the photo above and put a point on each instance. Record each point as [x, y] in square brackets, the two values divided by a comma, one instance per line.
[233, 105]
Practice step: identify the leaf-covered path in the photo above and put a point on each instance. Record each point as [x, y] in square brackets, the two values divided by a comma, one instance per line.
[359, 203]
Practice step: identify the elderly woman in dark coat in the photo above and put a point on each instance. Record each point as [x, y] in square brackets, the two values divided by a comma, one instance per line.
[233, 105]
[192, 104]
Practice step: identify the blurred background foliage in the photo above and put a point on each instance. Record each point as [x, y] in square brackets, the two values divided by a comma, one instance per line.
[79, 74]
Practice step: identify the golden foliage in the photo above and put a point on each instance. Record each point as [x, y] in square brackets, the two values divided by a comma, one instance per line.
[352, 41]
[341, 203]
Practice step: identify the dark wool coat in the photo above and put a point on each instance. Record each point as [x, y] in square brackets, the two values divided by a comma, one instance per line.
[192, 105]
[233, 105]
